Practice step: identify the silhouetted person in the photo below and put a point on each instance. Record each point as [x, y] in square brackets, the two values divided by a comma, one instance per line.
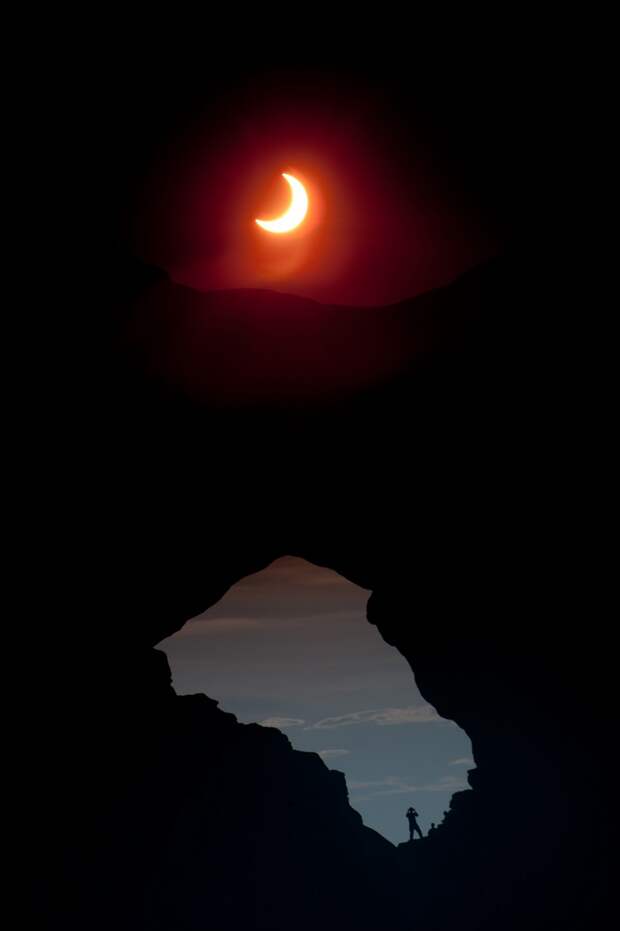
[412, 816]
[431, 830]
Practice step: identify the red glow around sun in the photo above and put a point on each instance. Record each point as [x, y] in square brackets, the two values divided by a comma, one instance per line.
[376, 231]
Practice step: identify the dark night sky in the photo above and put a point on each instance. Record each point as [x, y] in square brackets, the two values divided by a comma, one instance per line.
[414, 161]
[426, 161]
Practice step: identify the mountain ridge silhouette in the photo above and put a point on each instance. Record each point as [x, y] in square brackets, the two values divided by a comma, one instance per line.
[234, 345]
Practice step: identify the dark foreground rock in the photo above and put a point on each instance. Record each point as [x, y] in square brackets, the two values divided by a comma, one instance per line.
[206, 822]
[190, 440]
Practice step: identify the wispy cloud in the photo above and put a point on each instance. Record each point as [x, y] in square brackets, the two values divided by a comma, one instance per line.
[211, 625]
[382, 717]
[282, 722]
[423, 714]
[332, 754]
[395, 785]
[462, 761]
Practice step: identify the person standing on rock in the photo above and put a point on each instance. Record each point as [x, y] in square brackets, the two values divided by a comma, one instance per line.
[412, 817]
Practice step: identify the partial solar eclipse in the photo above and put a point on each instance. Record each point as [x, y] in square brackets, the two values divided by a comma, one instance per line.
[295, 212]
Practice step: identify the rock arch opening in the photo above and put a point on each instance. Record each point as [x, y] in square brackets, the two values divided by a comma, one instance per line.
[290, 647]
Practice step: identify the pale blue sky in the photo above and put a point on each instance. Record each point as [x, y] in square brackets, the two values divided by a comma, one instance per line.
[291, 646]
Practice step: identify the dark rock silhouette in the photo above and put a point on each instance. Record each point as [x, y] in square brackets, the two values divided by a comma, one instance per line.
[229, 823]
[416, 449]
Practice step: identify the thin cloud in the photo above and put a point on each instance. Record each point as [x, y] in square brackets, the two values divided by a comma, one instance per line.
[208, 623]
[394, 785]
[332, 754]
[212, 625]
[423, 714]
[282, 722]
[462, 761]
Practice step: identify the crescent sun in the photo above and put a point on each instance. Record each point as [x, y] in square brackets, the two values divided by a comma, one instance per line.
[295, 212]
